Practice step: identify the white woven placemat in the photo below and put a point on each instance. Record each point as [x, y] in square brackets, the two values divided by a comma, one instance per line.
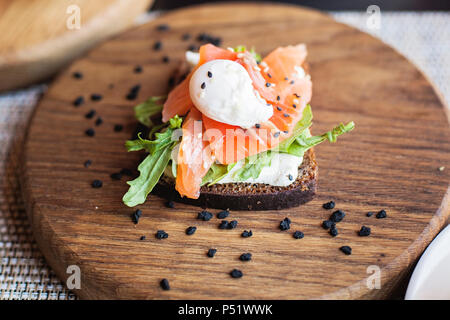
[422, 37]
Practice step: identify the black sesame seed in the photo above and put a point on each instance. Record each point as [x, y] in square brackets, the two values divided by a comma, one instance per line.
[286, 78]
[370, 213]
[163, 27]
[337, 216]
[346, 249]
[166, 59]
[294, 106]
[285, 224]
[185, 37]
[296, 95]
[136, 215]
[77, 75]
[202, 37]
[278, 98]
[223, 214]
[233, 224]
[269, 75]
[211, 253]
[286, 115]
[90, 132]
[364, 232]
[96, 97]
[97, 184]
[87, 163]
[292, 82]
[290, 177]
[334, 231]
[161, 234]
[257, 126]
[329, 205]
[327, 224]
[192, 47]
[90, 114]
[203, 85]
[267, 84]
[157, 45]
[276, 134]
[246, 256]
[133, 93]
[142, 238]
[170, 204]
[171, 82]
[99, 121]
[298, 235]
[137, 69]
[204, 215]
[78, 101]
[126, 172]
[286, 131]
[191, 230]
[381, 214]
[209, 74]
[235, 273]
[223, 224]
[279, 108]
[165, 284]
[246, 234]
[118, 127]
[116, 176]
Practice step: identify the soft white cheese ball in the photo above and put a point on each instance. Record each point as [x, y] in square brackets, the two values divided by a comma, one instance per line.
[223, 91]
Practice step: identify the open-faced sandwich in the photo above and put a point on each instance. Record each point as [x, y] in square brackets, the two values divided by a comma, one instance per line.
[234, 132]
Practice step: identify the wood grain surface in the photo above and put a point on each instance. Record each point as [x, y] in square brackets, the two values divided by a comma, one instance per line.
[390, 161]
[35, 41]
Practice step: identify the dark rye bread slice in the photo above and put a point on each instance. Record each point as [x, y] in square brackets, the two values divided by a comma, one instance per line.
[252, 196]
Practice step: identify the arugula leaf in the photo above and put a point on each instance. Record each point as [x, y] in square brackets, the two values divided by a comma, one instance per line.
[300, 127]
[216, 172]
[255, 55]
[253, 165]
[153, 166]
[145, 110]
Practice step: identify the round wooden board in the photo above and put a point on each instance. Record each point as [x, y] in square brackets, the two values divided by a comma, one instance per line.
[36, 42]
[390, 161]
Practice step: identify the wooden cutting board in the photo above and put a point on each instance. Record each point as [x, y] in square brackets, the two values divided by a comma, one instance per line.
[39, 37]
[390, 161]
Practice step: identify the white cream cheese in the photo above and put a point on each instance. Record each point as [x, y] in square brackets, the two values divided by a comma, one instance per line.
[222, 90]
[282, 171]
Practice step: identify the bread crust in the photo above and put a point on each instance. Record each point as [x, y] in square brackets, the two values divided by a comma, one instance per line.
[256, 196]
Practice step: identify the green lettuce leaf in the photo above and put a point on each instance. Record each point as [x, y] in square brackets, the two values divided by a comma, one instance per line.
[145, 110]
[216, 173]
[253, 165]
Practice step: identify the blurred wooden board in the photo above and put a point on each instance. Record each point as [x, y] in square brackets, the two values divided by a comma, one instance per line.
[36, 42]
[390, 161]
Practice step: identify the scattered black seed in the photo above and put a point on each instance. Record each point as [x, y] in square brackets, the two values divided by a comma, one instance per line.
[90, 132]
[118, 127]
[135, 216]
[236, 273]
[298, 235]
[204, 37]
[96, 97]
[99, 121]
[203, 85]
[97, 184]
[370, 213]
[292, 82]
[185, 37]
[165, 284]
[290, 177]
[245, 257]
[276, 134]
[269, 75]
[223, 214]
[279, 108]
[126, 172]
[285, 224]
[278, 98]
[137, 69]
[166, 59]
[223, 224]
[191, 230]
[157, 45]
[142, 238]
[286, 131]
[246, 234]
[209, 74]
[286, 115]
[78, 101]
[346, 249]
[286, 78]
[111, 85]
[211, 253]
[192, 47]
[133, 93]
[329, 205]
[327, 224]
[233, 224]
[161, 234]
[337, 216]
[87, 163]
[163, 27]
[334, 231]
[204, 215]
[90, 114]
[257, 126]
[77, 75]
[170, 204]
[116, 176]
[364, 232]
[381, 214]
[171, 82]
[267, 84]
[296, 95]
